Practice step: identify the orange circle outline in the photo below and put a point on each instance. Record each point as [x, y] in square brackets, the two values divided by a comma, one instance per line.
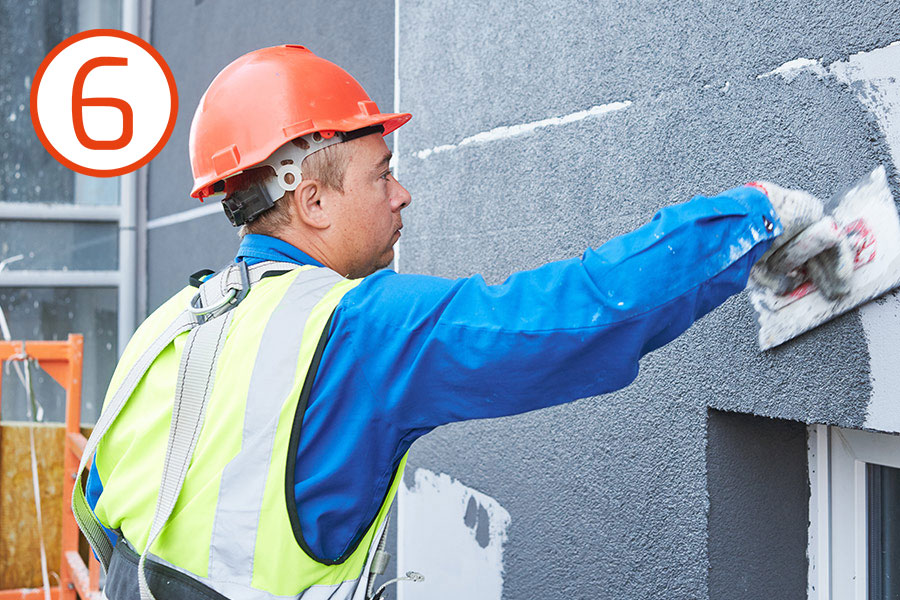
[36, 121]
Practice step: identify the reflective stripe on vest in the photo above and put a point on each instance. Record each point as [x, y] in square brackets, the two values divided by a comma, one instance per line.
[230, 528]
[233, 541]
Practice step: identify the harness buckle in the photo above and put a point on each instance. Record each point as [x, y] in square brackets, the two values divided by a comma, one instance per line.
[233, 296]
[197, 279]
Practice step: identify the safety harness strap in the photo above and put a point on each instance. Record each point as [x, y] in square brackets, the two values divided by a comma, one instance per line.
[230, 278]
[87, 522]
[196, 375]
[234, 279]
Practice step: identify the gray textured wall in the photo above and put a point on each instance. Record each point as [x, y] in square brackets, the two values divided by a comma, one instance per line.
[198, 39]
[758, 507]
[611, 497]
[608, 496]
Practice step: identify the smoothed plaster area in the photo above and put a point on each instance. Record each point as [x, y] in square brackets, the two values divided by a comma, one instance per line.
[455, 528]
[758, 507]
[872, 75]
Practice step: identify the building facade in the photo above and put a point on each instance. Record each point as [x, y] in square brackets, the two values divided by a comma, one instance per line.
[540, 129]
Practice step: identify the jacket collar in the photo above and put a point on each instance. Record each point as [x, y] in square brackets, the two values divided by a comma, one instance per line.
[256, 248]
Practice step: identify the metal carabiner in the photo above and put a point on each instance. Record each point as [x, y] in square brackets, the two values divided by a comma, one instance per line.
[233, 296]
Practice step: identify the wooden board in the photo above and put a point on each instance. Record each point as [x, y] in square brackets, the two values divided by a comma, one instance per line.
[20, 556]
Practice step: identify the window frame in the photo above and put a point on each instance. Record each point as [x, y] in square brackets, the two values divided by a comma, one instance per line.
[838, 532]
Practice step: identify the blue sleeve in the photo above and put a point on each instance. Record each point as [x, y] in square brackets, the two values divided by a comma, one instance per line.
[408, 353]
[92, 491]
[436, 351]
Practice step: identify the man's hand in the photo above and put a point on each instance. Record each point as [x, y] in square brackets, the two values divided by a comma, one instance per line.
[812, 246]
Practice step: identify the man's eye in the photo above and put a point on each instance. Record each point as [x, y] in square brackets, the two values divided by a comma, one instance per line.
[385, 175]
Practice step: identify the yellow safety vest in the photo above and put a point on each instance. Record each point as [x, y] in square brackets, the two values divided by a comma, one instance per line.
[232, 525]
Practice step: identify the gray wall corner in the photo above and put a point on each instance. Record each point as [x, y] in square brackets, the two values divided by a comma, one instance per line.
[758, 487]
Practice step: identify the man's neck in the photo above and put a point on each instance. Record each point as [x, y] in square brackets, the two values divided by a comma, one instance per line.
[313, 247]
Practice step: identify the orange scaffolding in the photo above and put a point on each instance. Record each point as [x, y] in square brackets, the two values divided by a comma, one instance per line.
[62, 361]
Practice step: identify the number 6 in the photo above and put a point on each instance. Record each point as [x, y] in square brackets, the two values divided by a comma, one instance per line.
[79, 102]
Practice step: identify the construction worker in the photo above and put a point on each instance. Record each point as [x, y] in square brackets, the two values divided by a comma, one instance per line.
[256, 428]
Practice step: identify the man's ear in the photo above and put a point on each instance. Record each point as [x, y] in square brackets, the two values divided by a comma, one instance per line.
[307, 200]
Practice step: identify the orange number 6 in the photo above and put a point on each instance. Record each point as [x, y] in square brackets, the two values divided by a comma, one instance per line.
[79, 102]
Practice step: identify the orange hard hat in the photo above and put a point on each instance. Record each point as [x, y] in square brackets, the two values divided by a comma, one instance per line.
[267, 98]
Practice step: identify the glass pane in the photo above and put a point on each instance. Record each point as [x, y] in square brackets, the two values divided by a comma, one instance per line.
[60, 245]
[99, 14]
[52, 314]
[884, 532]
[28, 32]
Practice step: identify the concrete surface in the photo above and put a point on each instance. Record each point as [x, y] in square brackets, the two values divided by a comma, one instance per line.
[758, 507]
[609, 497]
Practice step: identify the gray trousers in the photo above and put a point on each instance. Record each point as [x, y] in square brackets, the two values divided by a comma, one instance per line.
[165, 582]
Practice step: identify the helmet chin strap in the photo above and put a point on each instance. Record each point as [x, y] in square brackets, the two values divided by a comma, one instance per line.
[286, 161]
[244, 206]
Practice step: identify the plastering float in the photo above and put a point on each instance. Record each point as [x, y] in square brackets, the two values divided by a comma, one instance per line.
[867, 213]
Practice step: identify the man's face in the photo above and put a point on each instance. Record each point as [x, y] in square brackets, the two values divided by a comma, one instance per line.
[366, 216]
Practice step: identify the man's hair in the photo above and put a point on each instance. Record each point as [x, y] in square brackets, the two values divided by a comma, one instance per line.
[328, 166]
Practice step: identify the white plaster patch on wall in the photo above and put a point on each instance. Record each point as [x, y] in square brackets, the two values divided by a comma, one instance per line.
[875, 77]
[501, 133]
[454, 536]
[792, 68]
[881, 322]
[213, 208]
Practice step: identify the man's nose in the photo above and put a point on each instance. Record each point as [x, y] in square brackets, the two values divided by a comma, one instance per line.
[402, 197]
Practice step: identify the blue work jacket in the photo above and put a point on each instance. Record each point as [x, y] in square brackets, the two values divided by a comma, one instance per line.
[408, 353]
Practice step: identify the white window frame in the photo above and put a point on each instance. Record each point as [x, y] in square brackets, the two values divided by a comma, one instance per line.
[838, 528]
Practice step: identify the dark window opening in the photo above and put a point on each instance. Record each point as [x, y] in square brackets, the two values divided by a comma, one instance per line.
[883, 532]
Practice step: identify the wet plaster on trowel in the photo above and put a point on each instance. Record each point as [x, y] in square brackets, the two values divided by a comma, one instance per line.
[875, 78]
[460, 529]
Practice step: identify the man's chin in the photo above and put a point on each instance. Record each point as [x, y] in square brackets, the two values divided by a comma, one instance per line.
[383, 263]
[387, 260]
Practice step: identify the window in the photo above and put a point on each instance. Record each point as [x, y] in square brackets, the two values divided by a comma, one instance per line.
[854, 537]
[67, 229]
[883, 490]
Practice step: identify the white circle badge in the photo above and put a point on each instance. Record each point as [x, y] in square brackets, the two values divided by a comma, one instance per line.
[104, 102]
